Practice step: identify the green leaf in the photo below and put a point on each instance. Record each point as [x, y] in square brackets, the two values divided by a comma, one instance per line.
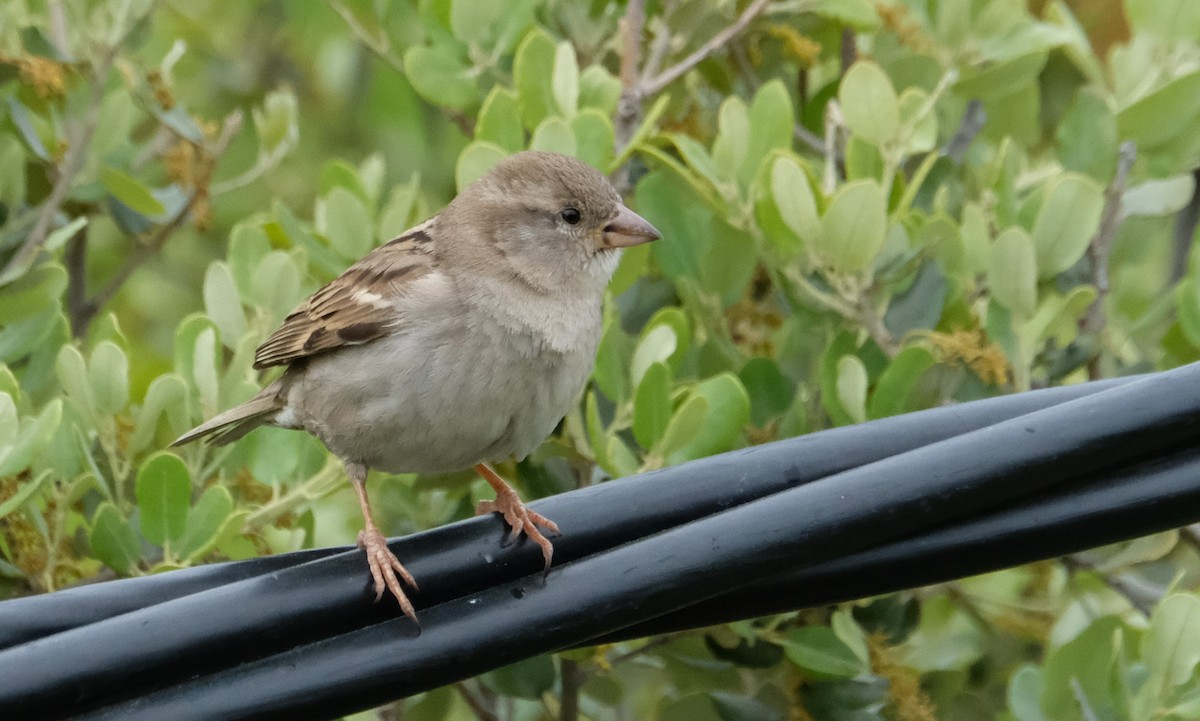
[946, 639]
[727, 412]
[593, 138]
[1024, 694]
[113, 540]
[869, 103]
[130, 191]
[500, 120]
[652, 405]
[554, 135]
[564, 84]
[921, 130]
[475, 22]
[276, 283]
[731, 707]
[19, 114]
[1066, 222]
[533, 68]
[223, 303]
[732, 144]
[163, 489]
[59, 237]
[1087, 137]
[854, 227]
[204, 370]
[166, 394]
[440, 77]
[204, 522]
[474, 161]
[342, 218]
[599, 90]
[108, 373]
[794, 197]
[819, 651]
[1165, 19]
[1082, 670]
[320, 255]
[684, 221]
[975, 241]
[657, 344]
[1155, 119]
[72, 374]
[621, 460]
[32, 293]
[1171, 648]
[596, 431]
[32, 439]
[772, 123]
[12, 184]
[769, 390]
[852, 387]
[338, 173]
[276, 121]
[896, 383]
[525, 679]
[1159, 197]
[684, 426]
[919, 307]
[1012, 272]
[611, 372]
[9, 423]
[730, 263]
[996, 81]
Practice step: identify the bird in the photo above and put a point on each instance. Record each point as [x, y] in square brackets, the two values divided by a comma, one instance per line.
[462, 341]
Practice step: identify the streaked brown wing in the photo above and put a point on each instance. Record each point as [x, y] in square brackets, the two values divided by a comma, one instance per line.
[355, 307]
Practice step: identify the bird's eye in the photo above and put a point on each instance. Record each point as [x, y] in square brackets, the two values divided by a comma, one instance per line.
[571, 216]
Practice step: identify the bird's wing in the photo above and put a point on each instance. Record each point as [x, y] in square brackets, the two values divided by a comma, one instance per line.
[356, 307]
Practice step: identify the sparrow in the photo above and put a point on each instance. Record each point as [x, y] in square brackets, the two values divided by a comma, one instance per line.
[463, 340]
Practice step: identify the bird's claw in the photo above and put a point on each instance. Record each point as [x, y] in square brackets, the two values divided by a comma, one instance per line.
[522, 520]
[384, 566]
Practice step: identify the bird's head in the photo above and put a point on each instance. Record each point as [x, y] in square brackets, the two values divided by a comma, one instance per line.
[549, 219]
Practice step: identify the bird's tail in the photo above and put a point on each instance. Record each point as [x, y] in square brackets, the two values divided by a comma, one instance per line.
[237, 421]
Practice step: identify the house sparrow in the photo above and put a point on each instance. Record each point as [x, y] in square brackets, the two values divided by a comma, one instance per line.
[462, 340]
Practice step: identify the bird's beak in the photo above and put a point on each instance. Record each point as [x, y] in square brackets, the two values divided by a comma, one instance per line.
[627, 228]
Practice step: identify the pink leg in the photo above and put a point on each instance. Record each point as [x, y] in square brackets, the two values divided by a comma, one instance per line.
[518, 516]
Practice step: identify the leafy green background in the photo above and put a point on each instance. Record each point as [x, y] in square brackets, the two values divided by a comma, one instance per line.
[868, 208]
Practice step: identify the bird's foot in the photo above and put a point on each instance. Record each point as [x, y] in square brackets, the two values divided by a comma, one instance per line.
[521, 519]
[384, 567]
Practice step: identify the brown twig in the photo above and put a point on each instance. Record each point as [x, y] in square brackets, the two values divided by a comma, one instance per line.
[1076, 562]
[1185, 229]
[648, 646]
[78, 138]
[715, 43]
[572, 681]
[849, 51]
[1101, 245]
[482, 712]
[75, 260]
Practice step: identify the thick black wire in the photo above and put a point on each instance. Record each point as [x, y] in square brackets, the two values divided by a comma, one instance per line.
[280, 612]
[679, 494]
[881, 502]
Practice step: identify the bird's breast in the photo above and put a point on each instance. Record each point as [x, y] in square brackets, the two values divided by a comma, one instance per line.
[437, 398]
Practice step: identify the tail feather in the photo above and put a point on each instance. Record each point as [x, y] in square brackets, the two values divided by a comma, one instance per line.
[237, 421]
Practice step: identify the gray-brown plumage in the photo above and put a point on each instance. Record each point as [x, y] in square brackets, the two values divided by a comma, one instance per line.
[463, 340]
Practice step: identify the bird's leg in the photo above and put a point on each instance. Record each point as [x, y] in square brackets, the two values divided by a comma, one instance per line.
[383, 563]
[518, 516]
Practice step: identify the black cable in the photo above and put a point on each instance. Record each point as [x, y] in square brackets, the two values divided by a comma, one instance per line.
[867, 506]
[678, 494]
